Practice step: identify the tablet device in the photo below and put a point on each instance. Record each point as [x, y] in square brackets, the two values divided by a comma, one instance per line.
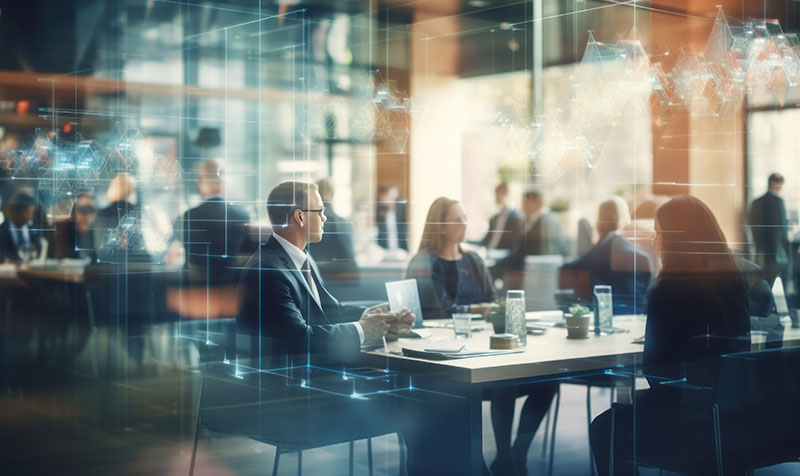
[405, 294]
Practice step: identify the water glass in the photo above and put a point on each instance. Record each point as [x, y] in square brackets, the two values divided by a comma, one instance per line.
[462, 322]
[603, 308]
[515, 316]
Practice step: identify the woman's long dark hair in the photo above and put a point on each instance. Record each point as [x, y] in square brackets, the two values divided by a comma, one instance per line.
[694, 250]
[692, 240]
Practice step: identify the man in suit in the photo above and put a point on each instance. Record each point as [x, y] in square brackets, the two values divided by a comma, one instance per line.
[506, 226]
[283, 296]
[16, 233]
[391, 219]
[335, 253]
[542, 236]
[614, 261]
[215, 233]
[768, 225]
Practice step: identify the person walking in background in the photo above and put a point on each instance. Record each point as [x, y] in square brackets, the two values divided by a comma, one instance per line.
[505, 226]
[391, 219]
[335, 253]
[768, 225]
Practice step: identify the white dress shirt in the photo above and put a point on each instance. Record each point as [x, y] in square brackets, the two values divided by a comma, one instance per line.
[26, 235]
[299, 258]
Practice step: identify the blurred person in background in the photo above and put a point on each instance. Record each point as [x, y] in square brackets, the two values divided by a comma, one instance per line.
[74, 238]
[542, 235]
[391, 219]
[335, 254]
[505, 226]
[768, 225]
[615, 261]
[215, 235]
[19, 240]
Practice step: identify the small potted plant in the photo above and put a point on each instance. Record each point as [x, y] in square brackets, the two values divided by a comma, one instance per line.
[578, 320]
[498, 316]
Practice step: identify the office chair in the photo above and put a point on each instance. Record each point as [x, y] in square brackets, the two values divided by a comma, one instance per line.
[296, 408]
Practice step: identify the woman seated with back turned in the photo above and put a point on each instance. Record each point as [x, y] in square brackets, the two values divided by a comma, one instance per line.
[697, 310]
[448, 276]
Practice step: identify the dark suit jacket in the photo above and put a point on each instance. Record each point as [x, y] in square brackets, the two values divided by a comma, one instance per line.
[617, 263]
[108, 245]
[511, 232]
[402, 226]
[214, 239]
[768, 225]
[276, 299]
[544, 238]
[335, 253]
[7, 248]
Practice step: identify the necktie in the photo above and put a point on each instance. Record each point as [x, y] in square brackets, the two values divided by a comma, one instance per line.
[306, 269]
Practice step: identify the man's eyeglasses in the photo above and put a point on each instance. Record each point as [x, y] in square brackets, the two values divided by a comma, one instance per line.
[85, 210]
[319, 211]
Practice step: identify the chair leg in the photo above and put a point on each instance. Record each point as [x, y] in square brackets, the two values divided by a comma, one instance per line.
[300, 463]
[197, 423]
[546, 431]
[277, 461]
[194, 447]
[553, 436]
[402, 445]
[369, 454]
[588, 426]
[352, 444]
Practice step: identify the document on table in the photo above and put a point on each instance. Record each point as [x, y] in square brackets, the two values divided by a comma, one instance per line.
[452, 350]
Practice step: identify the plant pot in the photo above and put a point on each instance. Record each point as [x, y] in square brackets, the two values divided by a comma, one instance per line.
[498, 318]
[578, 326]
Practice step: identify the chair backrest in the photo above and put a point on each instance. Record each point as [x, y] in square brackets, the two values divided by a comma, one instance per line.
[757, 395]
[541, 281]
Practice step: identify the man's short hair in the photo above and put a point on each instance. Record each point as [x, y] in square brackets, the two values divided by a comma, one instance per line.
[19, 202]
[534, 193]
[502, 186]
[775, 179]
[287, 197]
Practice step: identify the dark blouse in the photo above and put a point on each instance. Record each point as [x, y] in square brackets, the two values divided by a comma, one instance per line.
[693, 317]
[444, 284]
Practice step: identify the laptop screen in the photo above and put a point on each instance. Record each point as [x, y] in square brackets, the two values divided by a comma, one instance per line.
[405, 294]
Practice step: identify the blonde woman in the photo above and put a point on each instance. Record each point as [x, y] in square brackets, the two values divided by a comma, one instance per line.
[447, 275]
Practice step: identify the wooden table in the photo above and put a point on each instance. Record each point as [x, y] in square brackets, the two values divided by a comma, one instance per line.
[547, 357]
[548, 354]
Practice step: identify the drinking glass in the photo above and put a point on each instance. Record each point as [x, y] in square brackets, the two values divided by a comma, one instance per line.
[515, 316]
[603, 308]
[462, 322]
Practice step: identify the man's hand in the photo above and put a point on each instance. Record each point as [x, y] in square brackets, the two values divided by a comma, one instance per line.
[382, 308]
[375, 325]
[402, 323]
